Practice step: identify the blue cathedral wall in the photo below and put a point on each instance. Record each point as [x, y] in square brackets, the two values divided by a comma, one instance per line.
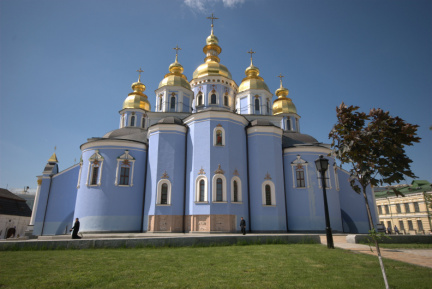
[109, 207]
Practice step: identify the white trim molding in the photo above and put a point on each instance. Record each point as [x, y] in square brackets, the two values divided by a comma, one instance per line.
[197, 189]
[125, 160]
[214, 188]
[215, 140]
[95, 161]
[273, 193]
[239, 190]
[300, 164]
[159, 192]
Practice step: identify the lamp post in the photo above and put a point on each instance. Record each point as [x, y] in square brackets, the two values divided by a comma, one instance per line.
[322, 166]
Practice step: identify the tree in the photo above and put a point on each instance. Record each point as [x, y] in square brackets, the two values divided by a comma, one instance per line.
[374, 145]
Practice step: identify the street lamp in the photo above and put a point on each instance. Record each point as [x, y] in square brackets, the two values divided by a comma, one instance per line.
[322, 166]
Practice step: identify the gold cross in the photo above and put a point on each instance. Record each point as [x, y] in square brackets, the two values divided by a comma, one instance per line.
[177, 49]
[212, 18]
[280, 76]
[139, 74]
[251, 52]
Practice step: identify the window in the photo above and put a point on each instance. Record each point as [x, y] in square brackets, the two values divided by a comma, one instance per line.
[401, 225]
[299, 169]
[300, 178]
[386, 207]
[213, 99]
[380, 210]
[218, 136]
[236, 190]
[201, 189]
[416, 207]
[226, 100]
[419, 225]
[173, 100]
[268, 201]
[410, 225]
[160, 103]
[268, 193]
[398, 208]
[200, 99]
[268, 107]
[163, 191]
[288, 124]
[164, 196]
[124, 176]
[407, 209]
[132, 120]
[125, 169]
[143, 122]
[94, 175]
[219, 188]
[257, 108]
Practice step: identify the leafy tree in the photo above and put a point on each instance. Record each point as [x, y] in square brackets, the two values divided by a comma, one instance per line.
[374, 145]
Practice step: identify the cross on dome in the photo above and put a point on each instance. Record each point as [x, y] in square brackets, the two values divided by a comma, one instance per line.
[251, 52]
[280, 76]
[139, 74]
[212, 18]
[177, 49]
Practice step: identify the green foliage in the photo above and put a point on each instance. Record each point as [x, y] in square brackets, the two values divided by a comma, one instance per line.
[374, 144]
[253, 266]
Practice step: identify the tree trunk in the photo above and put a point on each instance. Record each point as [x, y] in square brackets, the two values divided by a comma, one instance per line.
[372, 227]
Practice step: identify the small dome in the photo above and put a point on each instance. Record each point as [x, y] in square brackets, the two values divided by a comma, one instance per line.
[283, 104]
[137, 99]
[252, 80]
[212, 39]
[211, 68]
[175, 77]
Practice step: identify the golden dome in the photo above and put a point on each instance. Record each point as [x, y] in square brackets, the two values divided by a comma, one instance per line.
[211, 65]
[283, 104]
[175, 77]
[252, 80]
[137, 99]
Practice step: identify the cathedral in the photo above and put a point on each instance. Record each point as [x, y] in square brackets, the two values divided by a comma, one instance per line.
[209, 153]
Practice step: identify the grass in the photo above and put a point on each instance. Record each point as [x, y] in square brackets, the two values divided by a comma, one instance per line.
[253, 266]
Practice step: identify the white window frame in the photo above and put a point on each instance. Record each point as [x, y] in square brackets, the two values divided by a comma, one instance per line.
[197, 99]
[159, 192]
[273, 193]
[130, 120]
[214, 189]
[120, 160]
[239, 187]
[172, 95]
[197, 189]
[304, 164]
[209, 98]
[259, 105]
[79, 174]
[214, 136]
[95, 157]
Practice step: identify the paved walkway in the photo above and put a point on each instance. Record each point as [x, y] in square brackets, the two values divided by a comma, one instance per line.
[420, 257]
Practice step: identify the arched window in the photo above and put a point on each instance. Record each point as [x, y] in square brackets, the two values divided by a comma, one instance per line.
[173, 100]
[163, 192]
[268, 198]
[236, 190]
[226, 100]
[288, 124]
[219, 190]
[200, 99]
[201, 189]
[132, 120]
[164, 195]
[257, 105]
[268, 107]
[160, 103]
[235, 197]
[213, 99]
[143, 122]
[268, 193]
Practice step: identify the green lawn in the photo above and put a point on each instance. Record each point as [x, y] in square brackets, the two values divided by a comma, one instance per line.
[252, 266]
[406, 246]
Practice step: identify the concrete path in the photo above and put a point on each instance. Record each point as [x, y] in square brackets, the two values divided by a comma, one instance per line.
[420, 257]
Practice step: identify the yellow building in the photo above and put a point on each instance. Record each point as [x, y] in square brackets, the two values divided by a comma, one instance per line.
[411, 213]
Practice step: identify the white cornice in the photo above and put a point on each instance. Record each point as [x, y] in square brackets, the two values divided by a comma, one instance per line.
[265, 129]
[302, 149]
[112, 143]
[215, 115]
[166, 127]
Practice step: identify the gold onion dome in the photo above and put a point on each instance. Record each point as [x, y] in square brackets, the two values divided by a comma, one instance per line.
[175, 77]
[283, 104]
[252, 80]
[211, 65]
[137, 99]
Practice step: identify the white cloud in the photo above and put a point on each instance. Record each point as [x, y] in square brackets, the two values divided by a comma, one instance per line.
[202, 5]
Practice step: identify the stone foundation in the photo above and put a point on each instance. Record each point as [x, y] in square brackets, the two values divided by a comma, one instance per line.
[165, 223]
[211, 223]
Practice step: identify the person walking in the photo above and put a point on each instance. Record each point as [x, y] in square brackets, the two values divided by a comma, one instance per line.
[396, 230]
[75, 229]
[389, 230]
[243, 226]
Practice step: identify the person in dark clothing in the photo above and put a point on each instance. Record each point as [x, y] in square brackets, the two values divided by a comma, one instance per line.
[243, 226]
[75, 229]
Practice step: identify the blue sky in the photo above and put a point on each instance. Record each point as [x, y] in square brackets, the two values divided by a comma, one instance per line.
[67, 66]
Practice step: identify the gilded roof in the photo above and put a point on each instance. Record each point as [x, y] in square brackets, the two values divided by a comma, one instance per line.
[137, 99]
